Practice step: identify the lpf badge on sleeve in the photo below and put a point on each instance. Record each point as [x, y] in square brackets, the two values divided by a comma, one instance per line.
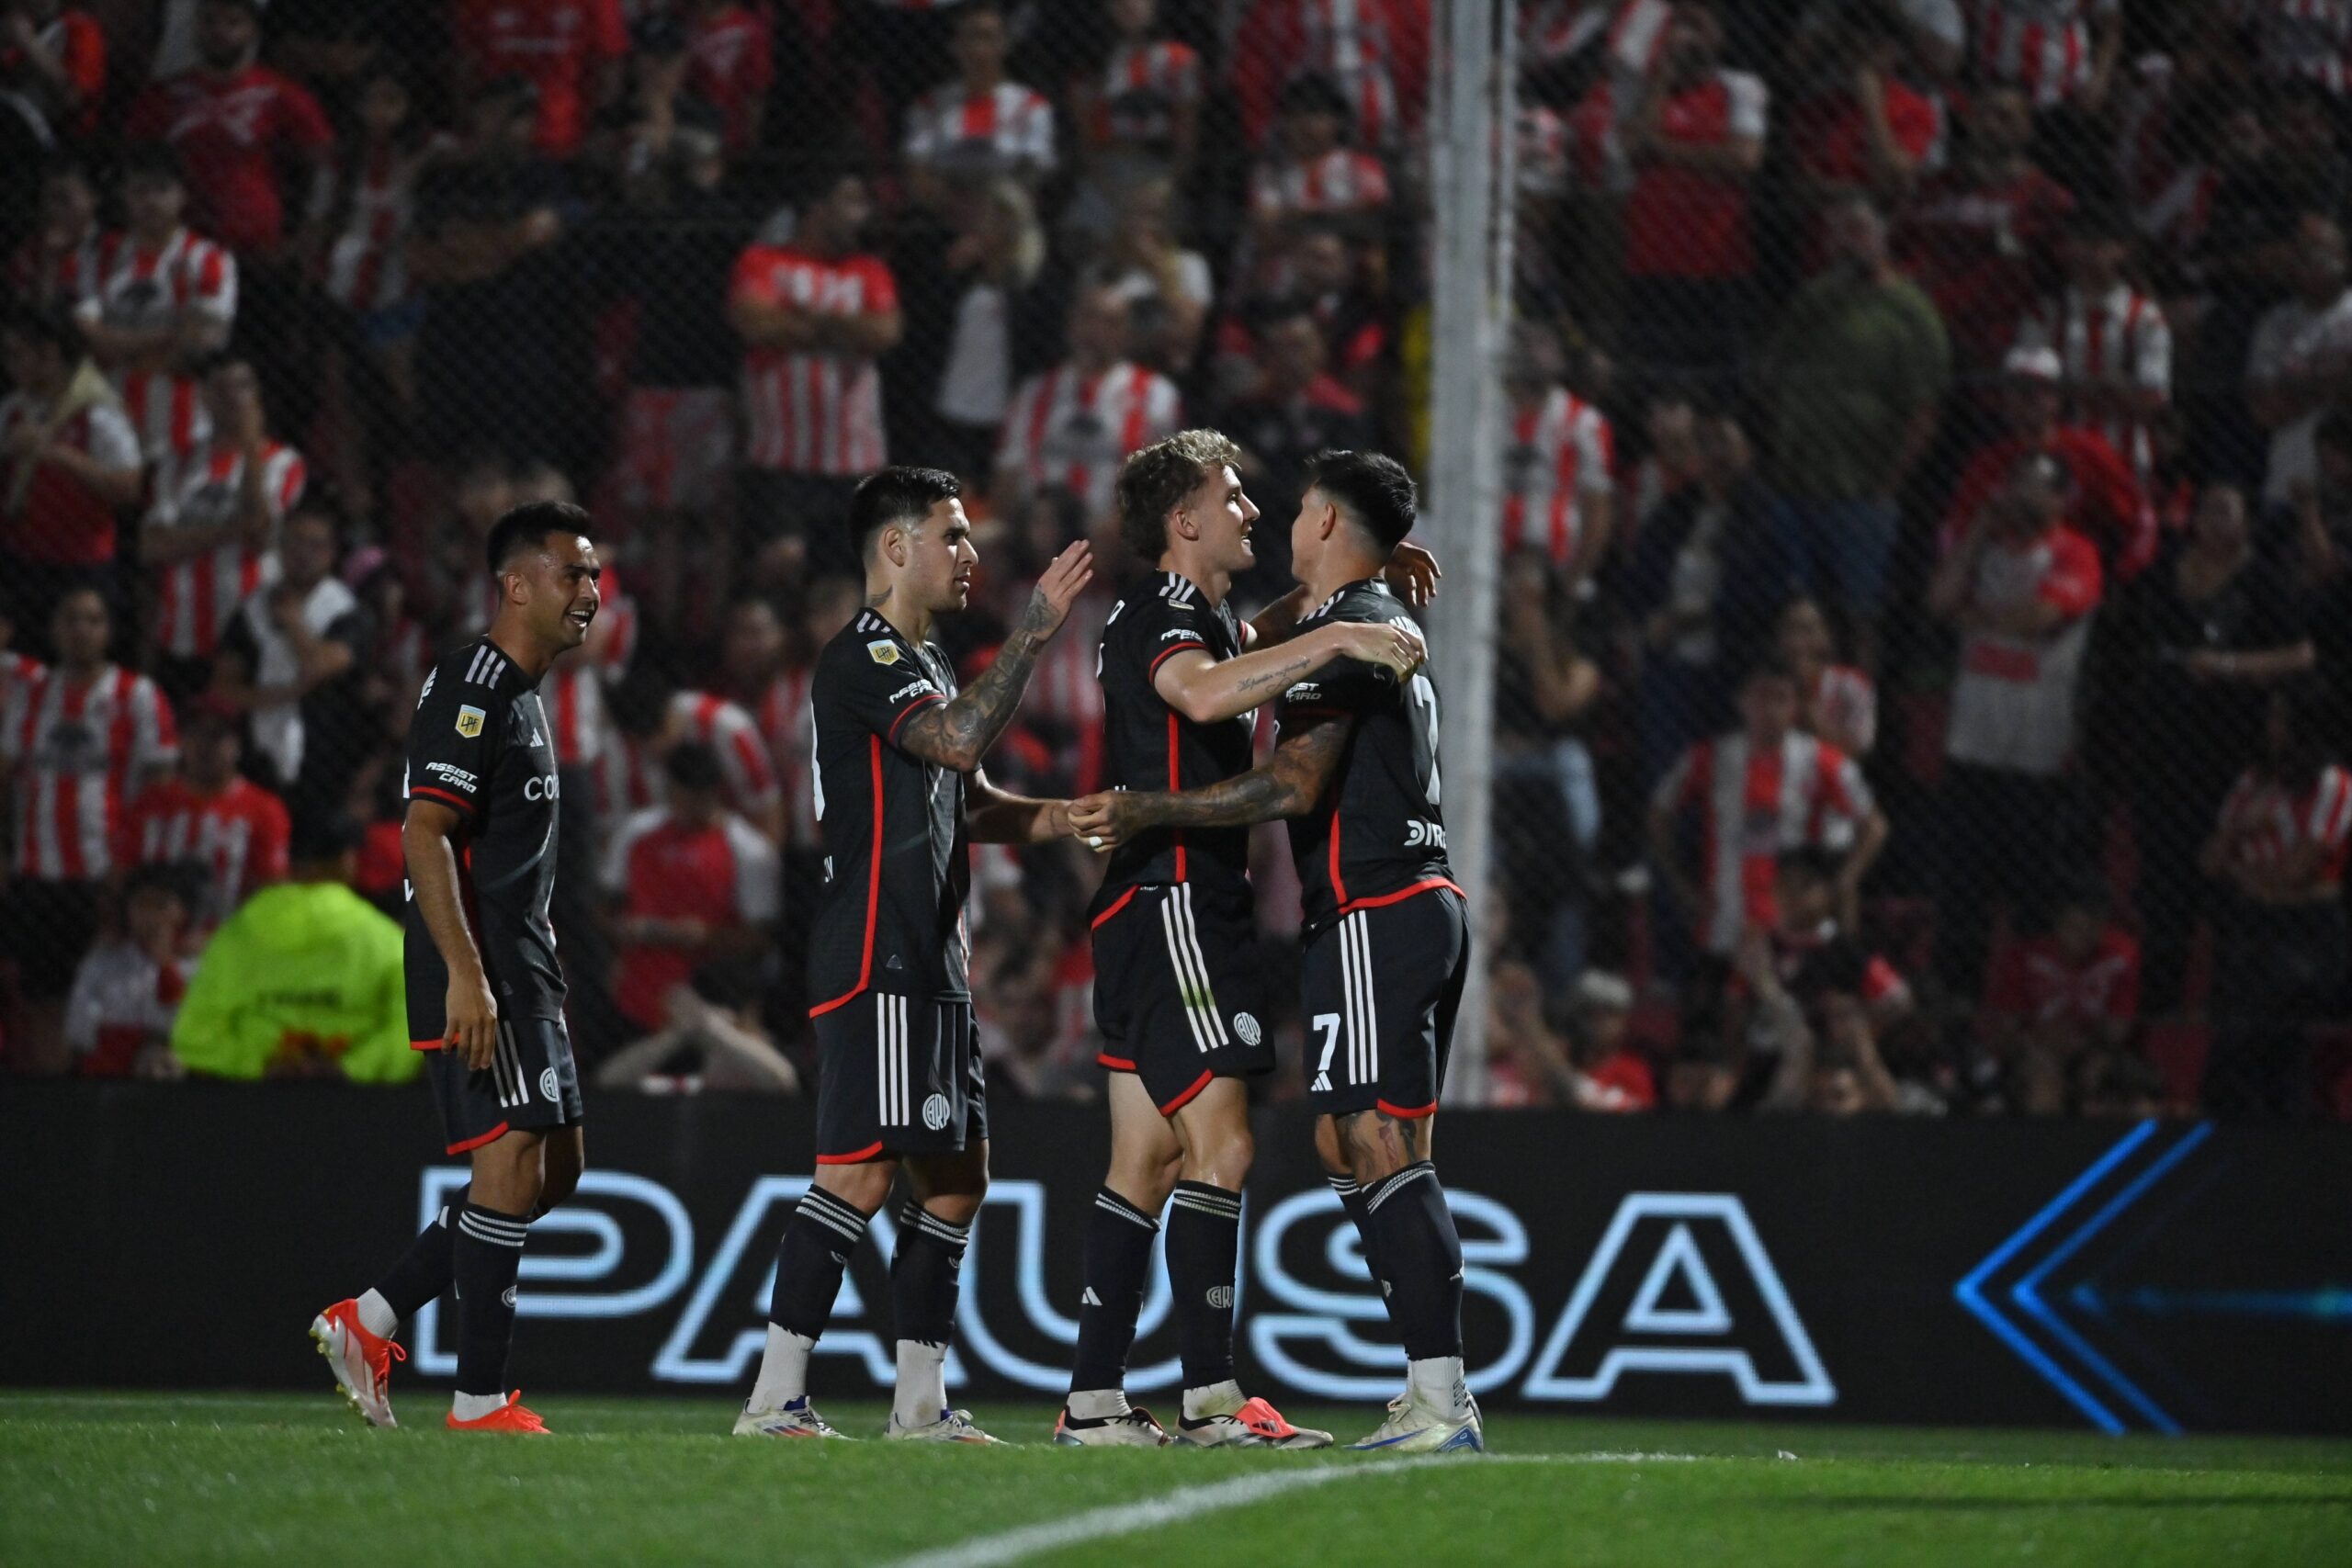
[884, 651]
[469, 722]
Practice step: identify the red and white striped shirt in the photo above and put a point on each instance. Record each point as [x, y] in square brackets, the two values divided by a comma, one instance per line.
[2037, 981]
[367, 268]
[63, 521]
[239, 836]
[2307, 39]
[1010, 127]
[143, 290]
[1341, 181]
[804, 413]
[18, 672]
[1753, 805]
[1143, 85]
[75, 749]
[201, 594]
[2121, 336]
[1844, 701]
[2044, 47]
[788, 727]
[733, 65]
[1562, 450]
[1684, 223]
[724, 874]
[2264, 823]
[1376, 50]
[630, 775]
[1070, 431]
[2013, 701]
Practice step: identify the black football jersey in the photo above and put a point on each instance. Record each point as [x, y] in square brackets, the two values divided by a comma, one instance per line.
[480, 744]
[1151, 746]
[896, 859]
[1377, 833]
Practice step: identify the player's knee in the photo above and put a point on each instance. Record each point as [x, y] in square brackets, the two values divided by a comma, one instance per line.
[865, 1186]
[1222, 1159]
[1144, 1177]
[1375, 1148]
[1328, 1148]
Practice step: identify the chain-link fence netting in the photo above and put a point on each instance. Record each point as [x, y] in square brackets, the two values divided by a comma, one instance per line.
[1927, 471]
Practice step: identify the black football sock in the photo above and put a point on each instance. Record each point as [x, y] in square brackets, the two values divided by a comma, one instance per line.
[1351, 1198]
[811, 1257]
[1204, 1240]
[1117, 1255]
[485, 1258]
[1420, 1257]
[422, 1274]
[924, 1278]
[925, 1274]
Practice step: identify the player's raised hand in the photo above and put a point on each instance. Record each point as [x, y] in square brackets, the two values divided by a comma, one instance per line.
[1058, 590]
[1412, 573]
[1105, 819]
[473, 1014]
[1393, 644]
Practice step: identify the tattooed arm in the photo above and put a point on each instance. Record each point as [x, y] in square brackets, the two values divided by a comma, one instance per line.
[1287, 783]
[1205, 688]
[957, 733]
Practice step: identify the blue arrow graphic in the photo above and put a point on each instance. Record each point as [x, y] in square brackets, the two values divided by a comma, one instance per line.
[1970, 1292]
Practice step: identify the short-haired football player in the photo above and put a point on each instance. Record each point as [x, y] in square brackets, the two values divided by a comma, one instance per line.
[1387, 939]
[900, 798]
[1175, 990]
[485, 991]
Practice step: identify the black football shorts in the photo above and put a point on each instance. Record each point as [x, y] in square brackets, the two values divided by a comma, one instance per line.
[899, 1075]
[1176, 995]
[530, 1084]
[1379, 989]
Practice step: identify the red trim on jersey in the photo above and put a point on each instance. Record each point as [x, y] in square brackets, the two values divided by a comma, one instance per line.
[859, 1157]
[1411, 1115]
[465, 805]
[911, 708]
[1175, 785]
[1117, 1063]
[1399, 895]
[1339, 889]
[1185, 1098]
[490, 1137]
[1165, 651]
[426, 1045]
[1116, 904]
[873, 906]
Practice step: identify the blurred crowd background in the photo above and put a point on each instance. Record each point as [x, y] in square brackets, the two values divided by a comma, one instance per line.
[1923, 644]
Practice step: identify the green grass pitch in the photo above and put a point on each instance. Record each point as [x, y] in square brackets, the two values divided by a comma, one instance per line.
[164, 1478]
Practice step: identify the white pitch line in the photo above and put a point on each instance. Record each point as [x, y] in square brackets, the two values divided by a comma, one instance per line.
[1189, 1502]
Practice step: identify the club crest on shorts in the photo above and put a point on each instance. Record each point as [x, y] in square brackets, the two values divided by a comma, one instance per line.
[883, 651]
[934, 1113]
[547, 1086]
[1246, 1026]
[470, 721]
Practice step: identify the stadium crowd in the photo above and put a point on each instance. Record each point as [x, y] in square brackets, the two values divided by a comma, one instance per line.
[1922, 646]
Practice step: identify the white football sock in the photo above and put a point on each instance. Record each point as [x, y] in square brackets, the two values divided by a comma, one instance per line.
[922, 1395]
[474, 1407]
[1098, 1403]
[784, 1370]
[1437, 1385]
[375, 1314]
[1218, 1399]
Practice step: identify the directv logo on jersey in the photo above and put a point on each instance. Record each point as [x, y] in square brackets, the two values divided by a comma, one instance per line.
[909, 689]
[1418, 833]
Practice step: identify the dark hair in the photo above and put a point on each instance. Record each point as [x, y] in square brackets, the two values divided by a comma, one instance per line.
[641, 699]
[1375, 492]
[217, 359]
[152, 160]
[1313, 92]
[1770, 666]
[49, 326]
[693, 766]
[2101, 221]
[528, 526]
[2335, 431]
[2305, 698]
[1816, 860]
[181, 879]
[899, 494]
[320, 838]
[66, 167]
[821, 176]
[1154, 482]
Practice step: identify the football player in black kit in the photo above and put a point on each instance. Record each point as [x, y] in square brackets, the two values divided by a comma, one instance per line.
[1175, 993]
[900, 797]
[1388, 941]
[485, 992]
